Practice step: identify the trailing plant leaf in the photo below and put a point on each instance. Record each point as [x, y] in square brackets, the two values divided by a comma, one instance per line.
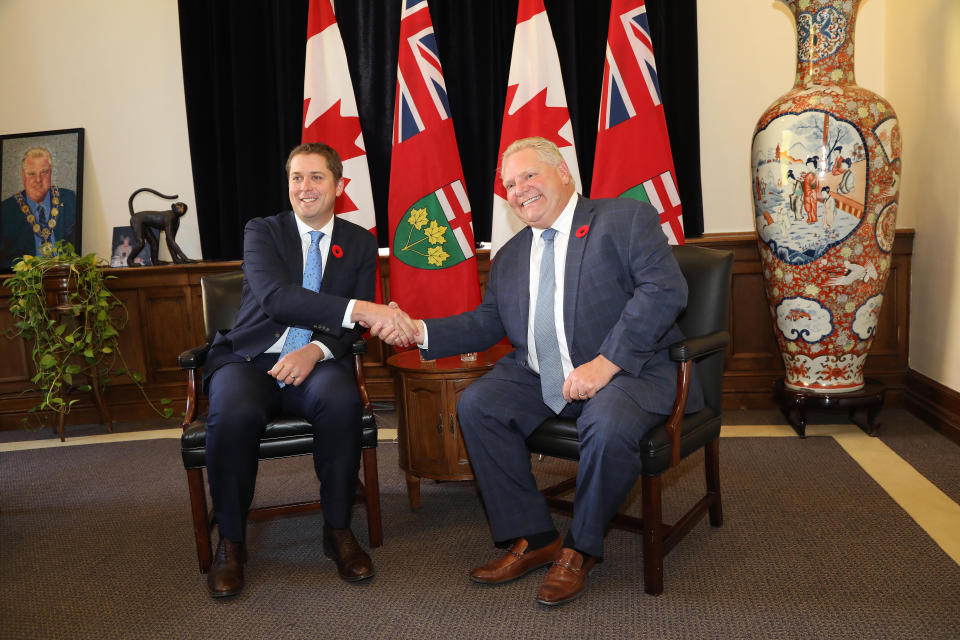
[81, 338]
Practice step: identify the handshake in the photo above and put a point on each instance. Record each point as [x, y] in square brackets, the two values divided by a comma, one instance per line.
[389, 323]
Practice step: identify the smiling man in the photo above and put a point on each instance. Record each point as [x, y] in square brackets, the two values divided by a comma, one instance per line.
[39, 215]
[587, 294]
[308, 282]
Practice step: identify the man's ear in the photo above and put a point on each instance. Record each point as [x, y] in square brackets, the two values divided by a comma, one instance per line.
[340, 186]
[564, 172]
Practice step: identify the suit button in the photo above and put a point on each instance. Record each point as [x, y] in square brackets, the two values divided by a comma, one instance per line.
[248, 358]
[276, 334]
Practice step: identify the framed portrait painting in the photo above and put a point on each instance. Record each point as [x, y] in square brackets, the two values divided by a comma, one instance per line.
[41, 192]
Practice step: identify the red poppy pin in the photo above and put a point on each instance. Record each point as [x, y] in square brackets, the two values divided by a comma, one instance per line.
[336, 251]
[582, 231]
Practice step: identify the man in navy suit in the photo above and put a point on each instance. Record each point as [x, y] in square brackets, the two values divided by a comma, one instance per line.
[33, 220]
[595, 349]
[258, 370]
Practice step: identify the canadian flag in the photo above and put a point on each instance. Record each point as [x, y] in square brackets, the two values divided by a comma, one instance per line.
[536, 106]
[330, 113]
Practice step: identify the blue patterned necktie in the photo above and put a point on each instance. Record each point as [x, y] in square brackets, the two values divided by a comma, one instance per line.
[545, 330]
[312, 273]
[41, 216]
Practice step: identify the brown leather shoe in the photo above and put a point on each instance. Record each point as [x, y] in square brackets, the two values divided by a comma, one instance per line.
[566, 579]
[226, 573]
[353, 563]
[516, 562]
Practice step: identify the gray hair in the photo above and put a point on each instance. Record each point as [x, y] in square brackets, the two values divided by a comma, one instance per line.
[546, 151]
[35, 152]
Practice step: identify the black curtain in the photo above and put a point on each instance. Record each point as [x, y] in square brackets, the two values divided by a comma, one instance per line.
[243, 79]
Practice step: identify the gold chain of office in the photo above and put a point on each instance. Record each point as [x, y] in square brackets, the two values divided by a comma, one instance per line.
[46, 231]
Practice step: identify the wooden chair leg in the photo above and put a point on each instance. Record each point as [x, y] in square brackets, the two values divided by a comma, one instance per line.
[712, 467]
[652, 535]
[201, 520]
[371, 482]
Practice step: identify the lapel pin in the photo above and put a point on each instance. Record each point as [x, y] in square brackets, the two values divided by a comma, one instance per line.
[582, 231]
[336, 251]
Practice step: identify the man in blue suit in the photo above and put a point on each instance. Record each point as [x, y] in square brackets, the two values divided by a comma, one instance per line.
[38, 216]
[289, 354]
[588, 295]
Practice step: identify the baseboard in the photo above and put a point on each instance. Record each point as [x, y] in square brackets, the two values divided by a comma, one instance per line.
[935, 404]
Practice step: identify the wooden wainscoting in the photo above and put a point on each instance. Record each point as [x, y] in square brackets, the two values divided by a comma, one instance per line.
[753, 360]
[935, 404]
[165, 318]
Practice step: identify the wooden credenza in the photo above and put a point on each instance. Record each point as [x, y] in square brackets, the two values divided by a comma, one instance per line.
[165, 318]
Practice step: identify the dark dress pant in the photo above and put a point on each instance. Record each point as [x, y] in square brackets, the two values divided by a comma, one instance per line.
[499, 411]
[243, 399]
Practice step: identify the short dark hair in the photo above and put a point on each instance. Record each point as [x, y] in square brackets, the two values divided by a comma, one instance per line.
[319, 148]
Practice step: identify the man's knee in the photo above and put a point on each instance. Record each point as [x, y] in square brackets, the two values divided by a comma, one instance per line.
[469, 401]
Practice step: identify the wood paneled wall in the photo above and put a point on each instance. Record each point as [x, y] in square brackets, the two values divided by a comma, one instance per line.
[165, 318]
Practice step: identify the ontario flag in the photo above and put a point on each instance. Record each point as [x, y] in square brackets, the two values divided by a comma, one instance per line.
[433, 266]
[632, 124]
[536, 106]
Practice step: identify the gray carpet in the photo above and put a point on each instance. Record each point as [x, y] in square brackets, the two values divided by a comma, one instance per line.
[96, 542]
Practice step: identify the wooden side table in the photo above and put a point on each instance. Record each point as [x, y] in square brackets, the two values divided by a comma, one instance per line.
[431, 445]
[867, 400]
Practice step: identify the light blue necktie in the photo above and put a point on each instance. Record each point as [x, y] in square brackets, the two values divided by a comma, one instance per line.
[545, 330]
[312, 273]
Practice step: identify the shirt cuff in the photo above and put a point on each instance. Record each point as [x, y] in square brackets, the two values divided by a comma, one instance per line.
[346, 324]
[327, 354]
[426, 343]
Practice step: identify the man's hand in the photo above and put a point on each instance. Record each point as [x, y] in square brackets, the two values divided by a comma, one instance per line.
[401, 331]
[294, 367]
[586, 380]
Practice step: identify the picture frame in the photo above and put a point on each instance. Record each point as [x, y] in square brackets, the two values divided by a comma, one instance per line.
[122, 245]
[25, 224]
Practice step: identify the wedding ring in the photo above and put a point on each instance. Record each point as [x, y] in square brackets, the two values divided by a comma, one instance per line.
[582, 395]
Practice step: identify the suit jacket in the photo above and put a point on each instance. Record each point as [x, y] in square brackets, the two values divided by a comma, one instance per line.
[16, 236]
[273, 297]
[623, 291]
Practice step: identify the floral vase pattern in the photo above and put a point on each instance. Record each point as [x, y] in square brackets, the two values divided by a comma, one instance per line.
[826, 176]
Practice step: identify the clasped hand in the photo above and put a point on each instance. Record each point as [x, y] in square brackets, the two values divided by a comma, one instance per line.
[389, 323]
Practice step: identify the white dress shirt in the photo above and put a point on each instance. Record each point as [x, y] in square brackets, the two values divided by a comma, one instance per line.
[562, 224]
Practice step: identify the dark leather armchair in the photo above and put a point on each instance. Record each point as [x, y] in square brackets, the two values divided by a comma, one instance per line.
[705, 322]
[282, 438]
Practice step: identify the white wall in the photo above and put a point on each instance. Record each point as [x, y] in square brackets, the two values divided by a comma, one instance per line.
[113, 68]
[923, 84]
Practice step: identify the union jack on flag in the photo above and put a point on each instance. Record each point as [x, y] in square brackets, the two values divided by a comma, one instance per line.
[631, 119]
[421, 92]
[618, 105]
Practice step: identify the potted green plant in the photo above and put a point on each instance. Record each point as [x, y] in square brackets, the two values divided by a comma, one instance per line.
[65, 312]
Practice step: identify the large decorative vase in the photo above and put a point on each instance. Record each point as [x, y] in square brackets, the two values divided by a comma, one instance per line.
[826, 174]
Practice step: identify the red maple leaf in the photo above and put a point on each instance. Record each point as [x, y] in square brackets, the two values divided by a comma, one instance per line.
[340, 132]
[533, 118]
[343, 203]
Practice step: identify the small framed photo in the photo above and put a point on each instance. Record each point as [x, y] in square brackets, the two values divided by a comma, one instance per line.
[41, 192]
[123, 243]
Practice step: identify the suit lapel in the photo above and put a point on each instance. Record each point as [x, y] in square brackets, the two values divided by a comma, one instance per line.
[332, 269]
[520, 278]
[582, 216]
[292, 248]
